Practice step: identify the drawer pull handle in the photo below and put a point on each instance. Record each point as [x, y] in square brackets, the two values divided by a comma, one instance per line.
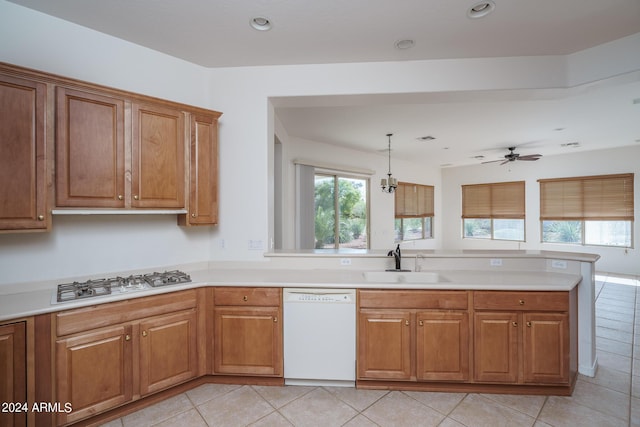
[515, 324]
[275, 319]
[521, 302]
[144, 333]
[421, 323]
[528, 324]
[406, 323]
[136, 197]
[127, 337]
[245, 298]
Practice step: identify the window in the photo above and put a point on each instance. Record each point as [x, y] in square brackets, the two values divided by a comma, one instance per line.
[413, 211]
[592, 210]
[340, 212]
[493, 211]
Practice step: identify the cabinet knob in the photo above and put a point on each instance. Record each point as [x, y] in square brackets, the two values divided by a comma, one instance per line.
[127, 337]
[528, 324]
[275, 319]
[406, 323]
[193, 215]
[40, 217]
[521, 302]
[144, 333]
[421, 323]
[120, 197]
[136, 197]
[515, 324]
[245, 298]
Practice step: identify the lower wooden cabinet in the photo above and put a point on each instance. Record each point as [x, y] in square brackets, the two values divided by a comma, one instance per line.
[13, 368]
[428, 341]
[99, 368]
[94, 371]
[528, 341]
[248, 331]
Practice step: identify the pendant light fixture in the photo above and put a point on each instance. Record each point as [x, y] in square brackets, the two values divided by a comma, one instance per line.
[389, 184]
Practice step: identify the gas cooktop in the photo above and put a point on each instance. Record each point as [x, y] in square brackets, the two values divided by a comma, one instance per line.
[115, 285]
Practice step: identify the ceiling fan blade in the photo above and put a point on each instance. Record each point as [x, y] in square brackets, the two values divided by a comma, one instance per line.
[505, 161]
[492, 161]
[530, 157]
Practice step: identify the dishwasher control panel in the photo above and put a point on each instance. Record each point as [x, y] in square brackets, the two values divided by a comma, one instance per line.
[320, 297]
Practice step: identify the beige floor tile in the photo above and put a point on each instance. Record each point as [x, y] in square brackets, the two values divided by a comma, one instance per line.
[562, 412]
[613, 346]
[239, 407]
[614, 324]
[635, 386]
[206, 392]
[610, 378]
[318, 408]
[398, 409]
[530, 405]
[280, 396]
[357, 399]
[614, 334]
[541, 424]
[361, 421]
[274, 419]
[159, 412]
[614, 361]
[477, 410]
[601, 399]
[448, 422]
[191, 418]
[113, 423]
[635, 412]
[441, 402]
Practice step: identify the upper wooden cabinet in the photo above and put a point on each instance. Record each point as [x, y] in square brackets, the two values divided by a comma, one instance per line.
[100, 148]
[23, 193]
[90, 151]
[203, 171]
[103, 163]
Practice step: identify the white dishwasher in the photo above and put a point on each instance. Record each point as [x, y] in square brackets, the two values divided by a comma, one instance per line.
[319, 337]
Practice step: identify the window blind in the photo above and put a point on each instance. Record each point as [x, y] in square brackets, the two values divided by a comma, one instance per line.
[414, 200]
[494, 200]
[602, 197]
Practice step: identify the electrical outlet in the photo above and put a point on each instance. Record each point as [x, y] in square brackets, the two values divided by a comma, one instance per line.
[496, 262]
[556, 263]
[345, 261]
[255, 245]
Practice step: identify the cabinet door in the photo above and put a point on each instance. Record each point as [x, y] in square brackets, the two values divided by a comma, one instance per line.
[442, 346]
[89, 150]
[13, 382]
[157, 155]
[168, 351]
[496, 347]
[248, 340]
[203, 173]
[22, 155]
[384, 344]
[94, 371]
[546, 348]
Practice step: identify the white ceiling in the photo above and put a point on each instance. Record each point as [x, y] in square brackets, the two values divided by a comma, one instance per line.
[216, 33]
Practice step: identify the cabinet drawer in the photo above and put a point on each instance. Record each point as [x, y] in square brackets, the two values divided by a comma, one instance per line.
[505, 300]
[452, 300]
[98, 316]
[271, 297]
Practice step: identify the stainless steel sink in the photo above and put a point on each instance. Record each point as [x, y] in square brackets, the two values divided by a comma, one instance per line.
[404, 277]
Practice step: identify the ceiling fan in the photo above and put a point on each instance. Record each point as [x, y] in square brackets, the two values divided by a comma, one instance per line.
[513, 156]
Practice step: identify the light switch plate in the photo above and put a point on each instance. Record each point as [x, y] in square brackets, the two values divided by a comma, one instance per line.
[557, 263]
[496, 262]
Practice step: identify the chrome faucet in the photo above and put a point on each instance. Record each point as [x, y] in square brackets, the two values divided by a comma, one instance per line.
[398, 256]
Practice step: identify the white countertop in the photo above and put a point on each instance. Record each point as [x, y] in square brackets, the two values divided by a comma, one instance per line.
[21, 304]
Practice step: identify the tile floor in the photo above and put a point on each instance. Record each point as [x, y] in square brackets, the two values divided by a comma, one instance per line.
[612, 398]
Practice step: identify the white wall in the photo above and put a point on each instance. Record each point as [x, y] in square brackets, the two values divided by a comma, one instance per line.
[247, 128]
[600, 162]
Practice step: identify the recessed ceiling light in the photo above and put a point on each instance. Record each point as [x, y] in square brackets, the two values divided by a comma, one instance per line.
[480, 157]
[481, 9]
[260, 23]
[405, 44]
